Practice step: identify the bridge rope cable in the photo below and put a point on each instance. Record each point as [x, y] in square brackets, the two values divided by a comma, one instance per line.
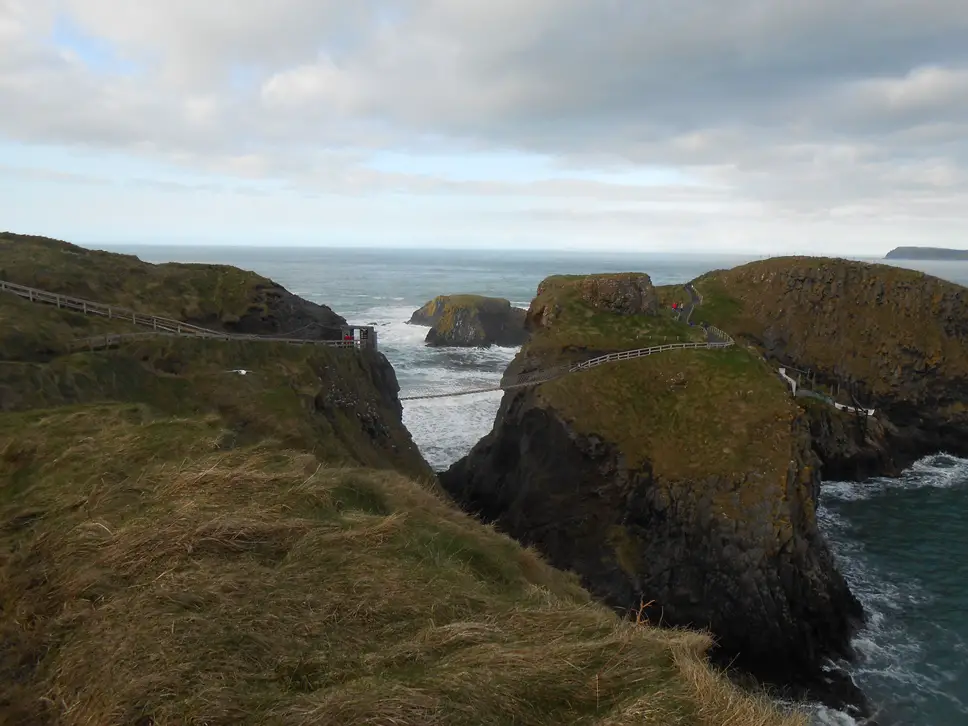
[538, 377]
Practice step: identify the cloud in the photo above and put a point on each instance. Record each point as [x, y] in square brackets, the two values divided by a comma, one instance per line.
[809, 107]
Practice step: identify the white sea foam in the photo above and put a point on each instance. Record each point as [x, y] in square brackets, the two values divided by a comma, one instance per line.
[940, 471]
[444, 429]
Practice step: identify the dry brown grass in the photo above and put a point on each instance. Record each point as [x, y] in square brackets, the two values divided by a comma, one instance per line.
[147, 577]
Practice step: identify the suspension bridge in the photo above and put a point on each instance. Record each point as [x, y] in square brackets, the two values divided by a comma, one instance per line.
[364, 336]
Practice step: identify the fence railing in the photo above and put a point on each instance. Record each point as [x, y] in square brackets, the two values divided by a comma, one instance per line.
[159, 325]
[533, 379]
[642, 352]
[719, 333]
[113, 340]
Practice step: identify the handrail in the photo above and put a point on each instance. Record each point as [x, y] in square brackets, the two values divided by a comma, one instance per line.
[111, 340]
[532, 379]
[159, 325]
[642, 352]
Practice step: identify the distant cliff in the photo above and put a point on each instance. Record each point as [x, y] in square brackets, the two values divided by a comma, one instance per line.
[926, 253]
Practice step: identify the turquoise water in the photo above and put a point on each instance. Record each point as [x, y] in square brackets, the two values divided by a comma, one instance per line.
[903, 544]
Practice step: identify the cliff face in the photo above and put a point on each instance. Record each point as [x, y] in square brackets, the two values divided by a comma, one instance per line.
[219, 297]
[342, 404]
[891, 339]
[471, 321]
[684, 481]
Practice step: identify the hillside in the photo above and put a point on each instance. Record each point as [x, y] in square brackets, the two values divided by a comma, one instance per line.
[684, 480]
[894, 340]
[218, 297]
[182, 543]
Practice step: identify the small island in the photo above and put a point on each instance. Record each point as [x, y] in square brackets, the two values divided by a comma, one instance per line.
[471, 321]
[926, 253]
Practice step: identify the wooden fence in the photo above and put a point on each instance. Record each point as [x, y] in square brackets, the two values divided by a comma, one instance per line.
[159, 325]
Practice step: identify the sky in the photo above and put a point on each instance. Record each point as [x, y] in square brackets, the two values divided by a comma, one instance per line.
[750, 126]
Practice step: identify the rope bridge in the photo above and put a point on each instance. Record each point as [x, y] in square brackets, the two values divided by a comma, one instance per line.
[717, 341]
[160, 326]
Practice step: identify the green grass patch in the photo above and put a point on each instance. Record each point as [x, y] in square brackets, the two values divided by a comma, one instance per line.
[690, 413]
[579, 329]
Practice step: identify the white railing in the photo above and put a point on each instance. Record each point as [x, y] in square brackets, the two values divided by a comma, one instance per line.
[642, 352]
[799, 392]
[533, 379]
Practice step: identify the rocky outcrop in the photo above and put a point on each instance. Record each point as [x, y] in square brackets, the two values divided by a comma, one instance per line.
[219, 297]
[890, 339]
[471, 321]
[429, 313]
[685, 483]
[628, 293]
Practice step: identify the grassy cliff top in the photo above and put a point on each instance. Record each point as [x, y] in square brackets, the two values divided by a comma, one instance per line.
[574, 316]
[184, 582]
[690, 413]
[213, 294]
[29, 331]
[869, 322]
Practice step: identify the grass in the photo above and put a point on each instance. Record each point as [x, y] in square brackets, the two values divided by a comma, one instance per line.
[180, 544]
[580, 329]
[669, 294]
[719, 417]
[722, 406]
[848, 320]
[186, 584]
[312, 398]
[213, 295]
[29, 331]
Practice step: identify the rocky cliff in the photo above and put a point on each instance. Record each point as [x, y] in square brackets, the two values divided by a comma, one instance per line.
[684, 482]
[219, 297]
[471, 321]
[890, 339]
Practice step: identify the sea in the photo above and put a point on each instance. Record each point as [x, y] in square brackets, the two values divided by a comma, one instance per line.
[902, 543]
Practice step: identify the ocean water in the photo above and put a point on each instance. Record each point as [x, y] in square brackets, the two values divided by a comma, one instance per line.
[902, 543]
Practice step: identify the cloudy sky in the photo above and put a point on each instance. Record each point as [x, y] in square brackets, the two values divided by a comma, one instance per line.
[745, 125]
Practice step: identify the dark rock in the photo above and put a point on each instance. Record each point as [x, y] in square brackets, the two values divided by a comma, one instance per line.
[778, 607]
[471, 321]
